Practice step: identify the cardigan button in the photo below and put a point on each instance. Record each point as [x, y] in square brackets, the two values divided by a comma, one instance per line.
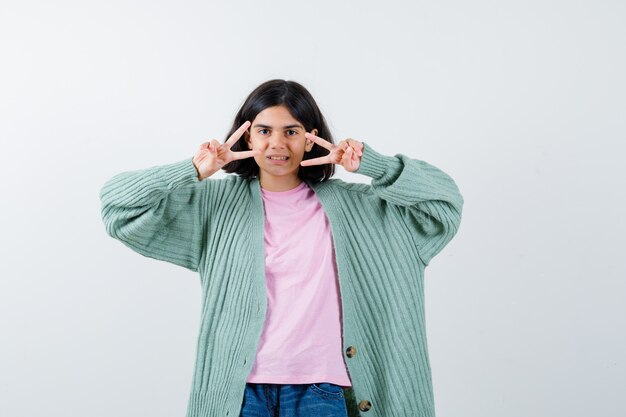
[365, 405]
[351, 351]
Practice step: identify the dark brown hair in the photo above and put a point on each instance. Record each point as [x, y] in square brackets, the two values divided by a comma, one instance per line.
[302, 107]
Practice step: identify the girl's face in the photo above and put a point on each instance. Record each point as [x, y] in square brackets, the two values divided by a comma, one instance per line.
[275, 132]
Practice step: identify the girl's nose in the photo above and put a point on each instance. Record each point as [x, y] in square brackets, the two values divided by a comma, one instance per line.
[277, 139]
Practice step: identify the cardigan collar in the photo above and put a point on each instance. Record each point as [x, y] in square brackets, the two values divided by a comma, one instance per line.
[317, 187]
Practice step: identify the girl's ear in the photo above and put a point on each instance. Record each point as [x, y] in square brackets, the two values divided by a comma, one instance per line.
[310, 143]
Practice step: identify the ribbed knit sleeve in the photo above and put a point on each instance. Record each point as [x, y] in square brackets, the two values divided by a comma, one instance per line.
[428, 197]
[158, 212]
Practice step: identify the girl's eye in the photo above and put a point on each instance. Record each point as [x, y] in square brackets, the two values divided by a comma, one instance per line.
[291, 132]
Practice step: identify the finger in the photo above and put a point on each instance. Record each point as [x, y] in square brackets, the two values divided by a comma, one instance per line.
[214, 146]
[354, 145]
[246, 154]
[352, 161]
[357, 146]
[237, 134]
[316, 161]
[355, 163]
[322, 142]
[354, 155]
[346, 157]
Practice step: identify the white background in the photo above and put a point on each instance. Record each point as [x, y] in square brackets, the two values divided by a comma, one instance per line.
[521, 102]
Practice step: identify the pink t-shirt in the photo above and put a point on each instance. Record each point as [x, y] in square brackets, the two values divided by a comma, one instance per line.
[301, 339]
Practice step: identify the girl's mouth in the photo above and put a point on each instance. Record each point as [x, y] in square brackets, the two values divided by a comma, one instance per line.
[278, 160]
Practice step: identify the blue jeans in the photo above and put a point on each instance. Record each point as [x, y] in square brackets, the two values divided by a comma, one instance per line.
[297, 400]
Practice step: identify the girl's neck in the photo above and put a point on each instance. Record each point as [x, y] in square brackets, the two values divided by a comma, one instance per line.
[282, 185]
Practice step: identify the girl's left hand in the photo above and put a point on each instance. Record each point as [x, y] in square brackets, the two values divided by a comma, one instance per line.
[347, 153]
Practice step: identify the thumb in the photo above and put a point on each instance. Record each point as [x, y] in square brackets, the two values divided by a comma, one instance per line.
[214, 146]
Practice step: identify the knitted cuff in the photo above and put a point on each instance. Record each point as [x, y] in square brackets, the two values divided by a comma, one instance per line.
[179, 173]
[376, 165]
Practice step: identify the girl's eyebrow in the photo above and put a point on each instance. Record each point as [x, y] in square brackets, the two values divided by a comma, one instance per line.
[284, 127]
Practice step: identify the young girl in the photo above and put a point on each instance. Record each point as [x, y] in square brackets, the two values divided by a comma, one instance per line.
[313, 301]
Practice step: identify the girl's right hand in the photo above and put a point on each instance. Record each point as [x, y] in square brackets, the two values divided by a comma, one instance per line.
[212, 156]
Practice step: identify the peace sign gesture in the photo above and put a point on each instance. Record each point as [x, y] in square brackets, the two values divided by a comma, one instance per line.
[347, 153]
[212, 156]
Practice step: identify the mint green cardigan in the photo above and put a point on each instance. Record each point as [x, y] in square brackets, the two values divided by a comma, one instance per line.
[384, 236]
